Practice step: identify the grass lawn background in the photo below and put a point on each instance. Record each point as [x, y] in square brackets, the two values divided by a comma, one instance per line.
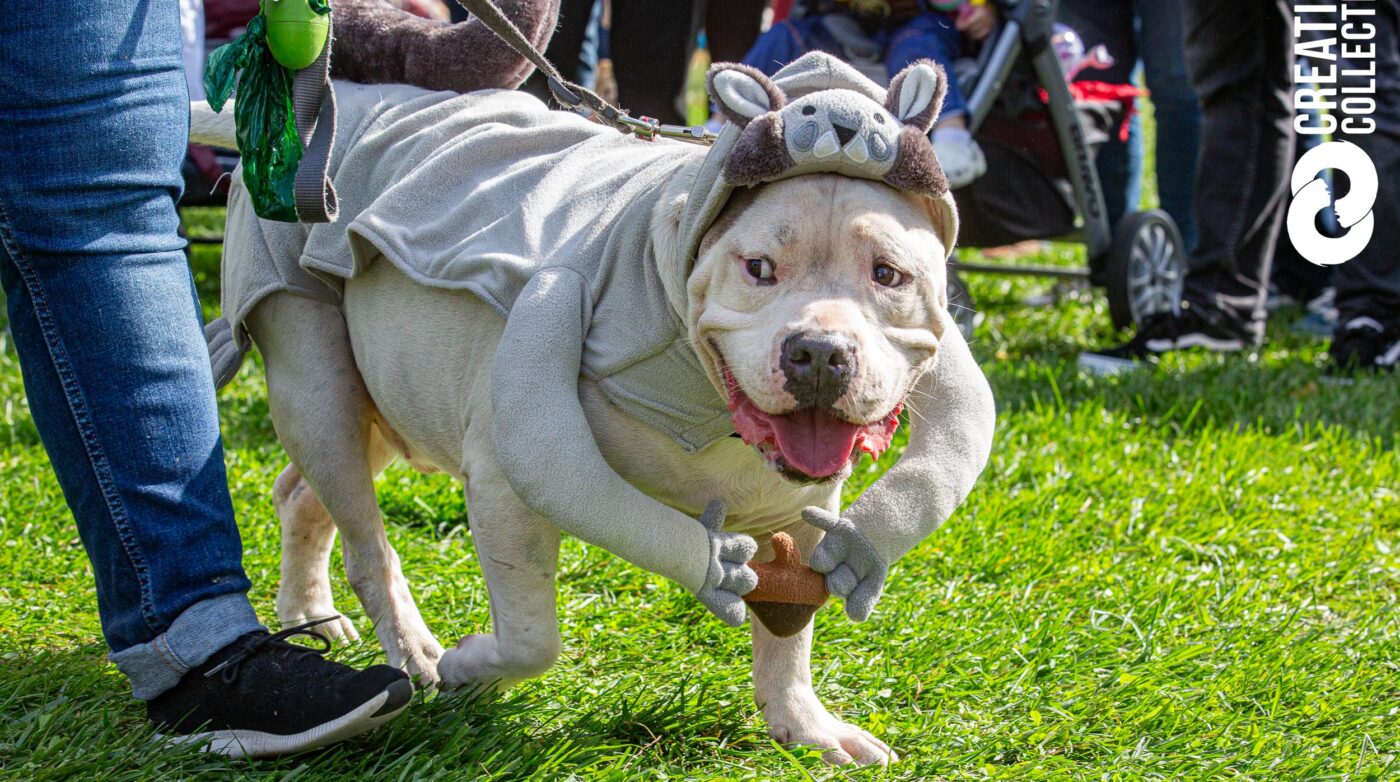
[1185, 574]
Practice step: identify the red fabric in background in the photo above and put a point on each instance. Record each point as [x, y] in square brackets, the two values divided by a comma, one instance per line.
[781, 10]
[225, 19]
[1092, 91]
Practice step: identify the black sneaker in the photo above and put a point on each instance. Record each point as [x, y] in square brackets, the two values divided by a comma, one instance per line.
[1364, 345]
[1167, 332]
[262, 696]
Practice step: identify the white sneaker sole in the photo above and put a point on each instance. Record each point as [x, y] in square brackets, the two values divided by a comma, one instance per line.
[1107, 366]
[238, 743]
[1196, 340]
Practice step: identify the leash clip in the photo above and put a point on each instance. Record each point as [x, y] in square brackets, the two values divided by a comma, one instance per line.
[644, 128]
[648, 129]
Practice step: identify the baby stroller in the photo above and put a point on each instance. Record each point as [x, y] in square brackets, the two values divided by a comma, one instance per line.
[1039, 140]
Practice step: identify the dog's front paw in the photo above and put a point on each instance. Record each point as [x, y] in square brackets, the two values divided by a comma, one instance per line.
[799, 719]
[415, 655]
[729, 577]
[339, 630]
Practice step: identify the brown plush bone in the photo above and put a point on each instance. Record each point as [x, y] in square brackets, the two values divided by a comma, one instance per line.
[788, 592]
[376, 43]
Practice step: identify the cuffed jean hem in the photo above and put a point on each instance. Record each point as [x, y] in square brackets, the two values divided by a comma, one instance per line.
[196, 634]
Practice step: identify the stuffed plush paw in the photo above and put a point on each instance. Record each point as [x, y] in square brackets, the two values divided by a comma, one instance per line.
[960, 156]
[854, 571]
[729, 577]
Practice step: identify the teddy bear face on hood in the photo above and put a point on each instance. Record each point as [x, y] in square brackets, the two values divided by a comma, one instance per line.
[838, 131]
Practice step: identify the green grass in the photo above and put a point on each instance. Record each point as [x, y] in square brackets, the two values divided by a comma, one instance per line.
[1186, 574]
[1189, 573]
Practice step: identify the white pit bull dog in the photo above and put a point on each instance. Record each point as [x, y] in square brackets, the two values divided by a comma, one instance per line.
[576, 324]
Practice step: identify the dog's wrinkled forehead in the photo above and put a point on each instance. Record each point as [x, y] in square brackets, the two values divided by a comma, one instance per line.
[834, 124]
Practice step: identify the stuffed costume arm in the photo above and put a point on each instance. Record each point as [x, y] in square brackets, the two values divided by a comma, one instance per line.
[539, 427]
[952, 418]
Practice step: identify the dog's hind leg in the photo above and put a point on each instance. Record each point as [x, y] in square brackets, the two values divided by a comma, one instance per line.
[307, 537]
[782, 676]
[325, 420]
[519, 553]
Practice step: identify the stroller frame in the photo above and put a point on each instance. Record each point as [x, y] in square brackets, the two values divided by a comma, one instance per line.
[1142, 259]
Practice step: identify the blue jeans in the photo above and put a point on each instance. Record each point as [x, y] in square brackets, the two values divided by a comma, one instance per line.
[930, 36]
[1149, 31]
[93, 126]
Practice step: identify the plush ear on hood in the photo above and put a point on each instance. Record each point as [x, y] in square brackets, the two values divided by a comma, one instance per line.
[916, 94]
[742, 92]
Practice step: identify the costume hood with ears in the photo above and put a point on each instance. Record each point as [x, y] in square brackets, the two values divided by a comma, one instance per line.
[820, 115]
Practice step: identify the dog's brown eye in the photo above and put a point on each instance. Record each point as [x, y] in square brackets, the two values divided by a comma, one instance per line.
[761, 269]
[888, 276]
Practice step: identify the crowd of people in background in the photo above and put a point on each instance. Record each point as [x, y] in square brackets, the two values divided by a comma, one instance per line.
[1220, 78]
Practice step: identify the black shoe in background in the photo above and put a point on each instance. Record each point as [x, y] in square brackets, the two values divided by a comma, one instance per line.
[1192, 327]
[262, 696]
[1364, 345]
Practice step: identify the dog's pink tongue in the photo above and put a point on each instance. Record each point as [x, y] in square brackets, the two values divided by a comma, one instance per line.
[814, 441]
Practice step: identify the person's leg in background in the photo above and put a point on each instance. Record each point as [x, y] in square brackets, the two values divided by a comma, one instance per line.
[1295, 279]
[1240, 59]
[1162, 48]
[1119, 163]
[566, 46]
[1240, 56]
[731, 27]
[107, 327]
[651, 47]
[932, 36]
[1368, 286]
[782, 43]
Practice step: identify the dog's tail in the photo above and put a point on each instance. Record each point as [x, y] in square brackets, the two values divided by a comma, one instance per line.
[210, 129]
[377, 43]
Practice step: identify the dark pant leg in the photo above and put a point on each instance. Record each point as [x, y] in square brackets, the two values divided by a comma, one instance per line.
[651, 55]
[565, 47]
[1240, 57]
[731, 27]
[1292, 274]
[1369, 284]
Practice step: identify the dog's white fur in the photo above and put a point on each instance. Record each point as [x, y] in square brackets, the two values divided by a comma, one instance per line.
[400, 369]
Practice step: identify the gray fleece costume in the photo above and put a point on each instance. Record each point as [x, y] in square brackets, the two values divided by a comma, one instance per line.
[547, 217]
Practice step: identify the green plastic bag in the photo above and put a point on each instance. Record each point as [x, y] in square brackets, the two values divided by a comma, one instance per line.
[267, 132]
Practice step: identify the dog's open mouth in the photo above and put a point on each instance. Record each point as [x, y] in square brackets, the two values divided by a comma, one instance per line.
[811, 442]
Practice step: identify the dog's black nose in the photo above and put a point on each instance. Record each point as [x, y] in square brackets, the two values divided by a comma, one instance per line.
[843, 133]
[818, 367]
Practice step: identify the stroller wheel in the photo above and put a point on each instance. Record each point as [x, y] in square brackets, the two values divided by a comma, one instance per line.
[1146, 267]
[961, 306]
